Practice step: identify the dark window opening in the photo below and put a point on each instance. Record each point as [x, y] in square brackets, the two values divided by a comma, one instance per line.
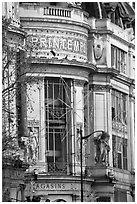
[120, 195]
[119, 151]
[118, 59]
[119, 107]
[103, 199]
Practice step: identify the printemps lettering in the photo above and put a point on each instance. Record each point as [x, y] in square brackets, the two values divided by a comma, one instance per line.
[59, 43]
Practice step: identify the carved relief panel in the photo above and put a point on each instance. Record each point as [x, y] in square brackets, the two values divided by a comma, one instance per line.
[97, 46]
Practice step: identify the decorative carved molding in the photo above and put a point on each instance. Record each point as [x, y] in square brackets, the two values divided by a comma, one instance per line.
[96, 87]
[98, 47]
[119, 126]
[79, 82]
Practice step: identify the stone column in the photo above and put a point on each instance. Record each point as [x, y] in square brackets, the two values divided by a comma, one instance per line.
[42, 141]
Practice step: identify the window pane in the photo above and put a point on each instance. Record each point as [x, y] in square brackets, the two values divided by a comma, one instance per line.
[51, 141]
[56, 91]
[124, 108]
[117, 112]
[113, 113]
[120, 195]
[119, 61]
[123, 63]
[57, 140]
[50, 159]
[112, 56]
[115, 58]
[113, 104]
[119, 144]
[119, 161]
[125, 163]
[124, 151]
[50, 91]
[114, 150]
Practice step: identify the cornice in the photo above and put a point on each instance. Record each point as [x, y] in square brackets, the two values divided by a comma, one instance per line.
[117, 75]
[121, 40]
[16, 30]
[105, 70]
[62, 62]
[125, 80]
[109, 32]
[55, 20]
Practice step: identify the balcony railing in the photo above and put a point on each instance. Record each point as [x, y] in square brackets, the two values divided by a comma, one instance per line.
[64, 168]
[57, 168]
[52, 11]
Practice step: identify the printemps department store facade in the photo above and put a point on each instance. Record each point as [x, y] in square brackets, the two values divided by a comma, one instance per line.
[81, 66]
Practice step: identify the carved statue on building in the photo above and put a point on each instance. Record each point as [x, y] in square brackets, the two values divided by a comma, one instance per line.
[102, 148]
[98, 47]
[33, 145]
[75, 4]
[6, 195]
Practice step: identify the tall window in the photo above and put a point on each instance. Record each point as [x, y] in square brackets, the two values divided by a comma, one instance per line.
[64, 111]
[118, 59]
[57, 103]
[119, 152]
[133, 61]
[119, 106]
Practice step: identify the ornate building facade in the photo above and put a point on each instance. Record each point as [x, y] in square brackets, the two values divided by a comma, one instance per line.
[80, 74]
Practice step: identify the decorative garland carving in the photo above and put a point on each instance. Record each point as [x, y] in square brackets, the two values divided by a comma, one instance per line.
[97, 87]
[79, 82]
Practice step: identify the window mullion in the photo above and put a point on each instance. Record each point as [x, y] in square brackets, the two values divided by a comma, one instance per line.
[53, 95]
[54, 147]
[47, 114]
[116, 151]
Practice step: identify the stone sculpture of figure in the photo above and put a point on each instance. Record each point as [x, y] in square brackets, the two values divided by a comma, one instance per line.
[98, 47]
[33, 146]
[75, 4]
[6, 195]
[78, 145]
[102, 148]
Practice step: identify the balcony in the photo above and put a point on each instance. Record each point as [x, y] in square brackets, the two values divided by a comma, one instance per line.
[50, 12]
